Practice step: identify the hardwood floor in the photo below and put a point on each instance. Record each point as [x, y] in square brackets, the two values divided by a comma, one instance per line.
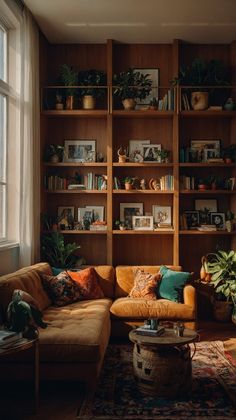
[60, 401]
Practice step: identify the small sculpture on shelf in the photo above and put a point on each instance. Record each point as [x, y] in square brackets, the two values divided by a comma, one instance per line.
[122, 154]
[143, 184]
[59, 103]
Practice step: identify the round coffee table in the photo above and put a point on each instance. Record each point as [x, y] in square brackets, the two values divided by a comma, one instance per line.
[163, 364]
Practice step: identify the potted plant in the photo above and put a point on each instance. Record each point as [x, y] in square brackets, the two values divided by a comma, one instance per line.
[202, 73]
[68, 77]
[91, 80]
[54, 153]
[131, 85]
[128, 181]
[229, 153]
[222, 267]
[203, 184]
[56, 252]
[164, 155]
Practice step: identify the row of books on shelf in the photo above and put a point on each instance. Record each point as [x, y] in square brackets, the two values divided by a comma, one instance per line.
[167, 103]
[90, 181]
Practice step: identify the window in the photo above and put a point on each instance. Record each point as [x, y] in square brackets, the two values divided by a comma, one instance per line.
[3, 133]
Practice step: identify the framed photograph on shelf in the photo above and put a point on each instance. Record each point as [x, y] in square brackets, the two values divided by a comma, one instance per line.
[136, 150]
[128, 210]
[153, 74]
[218, 219]
[210, 205]
[200, 147]
[192, 218]
[85, 214]
[151, 153]
[66, 216]
[98, 212]
[161, 214]
[142, 222]
[80, 151]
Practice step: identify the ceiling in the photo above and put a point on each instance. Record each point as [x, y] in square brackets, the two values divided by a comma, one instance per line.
[135, 21]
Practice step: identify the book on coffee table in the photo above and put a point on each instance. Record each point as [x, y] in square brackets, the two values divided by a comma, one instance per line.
[146, 330]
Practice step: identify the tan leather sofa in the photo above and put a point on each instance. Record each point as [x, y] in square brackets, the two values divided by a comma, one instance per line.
[127, 312]
[73, 345]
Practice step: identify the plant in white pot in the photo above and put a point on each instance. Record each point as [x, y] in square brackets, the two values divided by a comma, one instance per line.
[222, 268]
[94, 86]
[131, 85]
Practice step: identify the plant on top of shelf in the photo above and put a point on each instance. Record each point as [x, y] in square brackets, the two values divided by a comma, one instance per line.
[203, 73]
[128, 181]
[131, 85]
[54, 153]
[56, 252]
[68, 77]
[90, 79]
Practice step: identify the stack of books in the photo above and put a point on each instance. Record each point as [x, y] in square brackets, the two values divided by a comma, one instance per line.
[147, 330]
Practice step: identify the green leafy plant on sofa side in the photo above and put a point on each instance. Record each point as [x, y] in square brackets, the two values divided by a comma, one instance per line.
[222, 267]
[56, 252]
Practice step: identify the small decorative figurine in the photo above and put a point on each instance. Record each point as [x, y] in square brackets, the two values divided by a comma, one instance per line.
[122, 155]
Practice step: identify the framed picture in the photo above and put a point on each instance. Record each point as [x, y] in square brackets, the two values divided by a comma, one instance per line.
[192, 218]
[153, 74]
[65, 216]
[98, 212]
[128, 210]
[151, 153]
[85, 214]
[142, 222]
[199, 146]
[218, 219]
[211, 154]
[161, 214]
[136, 150]
[80, 151]
[210, 205]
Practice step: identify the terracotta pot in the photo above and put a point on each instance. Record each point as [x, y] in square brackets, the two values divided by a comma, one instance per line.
[199, 100]
[129, 103]
[128, 186]
[89, 102]
[69, 102]
[202, 187]
[54, 159]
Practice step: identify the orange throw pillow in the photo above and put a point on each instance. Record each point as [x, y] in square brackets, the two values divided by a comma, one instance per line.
[88, 283]
[145, 285]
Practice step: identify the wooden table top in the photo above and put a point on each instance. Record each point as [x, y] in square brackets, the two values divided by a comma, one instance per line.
[168, 338]
[19, 345]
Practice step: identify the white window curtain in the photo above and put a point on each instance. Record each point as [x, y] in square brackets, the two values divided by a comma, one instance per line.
[29, 223]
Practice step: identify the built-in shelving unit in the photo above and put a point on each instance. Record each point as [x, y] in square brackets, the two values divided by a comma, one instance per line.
[112, 127]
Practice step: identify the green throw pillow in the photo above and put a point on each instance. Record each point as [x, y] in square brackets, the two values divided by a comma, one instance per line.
[172, 284]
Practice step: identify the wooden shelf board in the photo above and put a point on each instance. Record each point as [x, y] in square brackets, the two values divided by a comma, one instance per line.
[143, 232]
[96, 113]
[207, 114]
[143, 164]
[143, 191]
[214, 192]
[138, 113]
[76, 191]
[207, 165]
[201, 232]
[83, 232]
[68, 164]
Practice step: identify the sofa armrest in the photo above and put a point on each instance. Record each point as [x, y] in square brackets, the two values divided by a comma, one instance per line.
[190, 296]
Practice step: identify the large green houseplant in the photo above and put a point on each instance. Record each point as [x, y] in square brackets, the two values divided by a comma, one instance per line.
[131, 85]
[222, 268]
[91, 80]
[56, 252]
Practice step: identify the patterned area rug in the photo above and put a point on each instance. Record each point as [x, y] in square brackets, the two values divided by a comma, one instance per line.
[118, 396]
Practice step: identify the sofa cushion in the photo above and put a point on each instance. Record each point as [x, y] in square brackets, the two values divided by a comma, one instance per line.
[76, 333]
[127, 308]
[62, 289]
[27, 279]
[87, 281]
[125, 277]
[172, 284]
[145, 284]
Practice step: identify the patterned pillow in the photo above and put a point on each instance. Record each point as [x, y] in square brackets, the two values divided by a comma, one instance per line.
[88, 283]
[145, 285]
[62, 289]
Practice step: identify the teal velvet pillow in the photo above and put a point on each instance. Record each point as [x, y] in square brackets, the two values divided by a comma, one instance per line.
[172, 284]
